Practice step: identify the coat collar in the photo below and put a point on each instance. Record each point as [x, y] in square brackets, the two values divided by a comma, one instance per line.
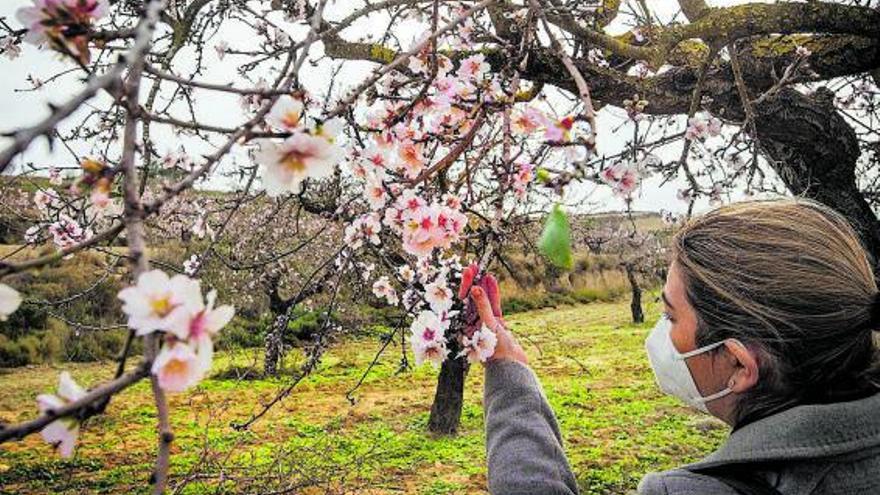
[803, 432]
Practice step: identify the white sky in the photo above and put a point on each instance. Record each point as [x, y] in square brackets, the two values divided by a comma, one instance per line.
[19, 106]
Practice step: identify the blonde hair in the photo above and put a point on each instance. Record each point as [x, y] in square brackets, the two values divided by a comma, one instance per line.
[791, 280]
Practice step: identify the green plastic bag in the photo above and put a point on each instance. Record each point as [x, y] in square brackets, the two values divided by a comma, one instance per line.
[555, 241]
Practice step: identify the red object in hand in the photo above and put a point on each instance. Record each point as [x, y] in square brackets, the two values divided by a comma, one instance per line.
[467, 279]
[490, 285]
[470, 278]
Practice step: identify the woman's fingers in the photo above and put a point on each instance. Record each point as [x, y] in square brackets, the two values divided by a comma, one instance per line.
[490, 285]
[484, 307]
[467, 279]
[506, 346]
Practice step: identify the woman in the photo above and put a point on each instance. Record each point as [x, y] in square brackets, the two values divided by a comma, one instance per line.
[770, 309]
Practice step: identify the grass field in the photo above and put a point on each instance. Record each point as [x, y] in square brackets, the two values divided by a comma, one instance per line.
[615, 422]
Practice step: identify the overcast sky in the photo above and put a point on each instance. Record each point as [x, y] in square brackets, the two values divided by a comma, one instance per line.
[21, 106]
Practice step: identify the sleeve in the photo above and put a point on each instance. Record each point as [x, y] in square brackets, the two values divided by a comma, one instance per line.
[682, 482]
[523, 444]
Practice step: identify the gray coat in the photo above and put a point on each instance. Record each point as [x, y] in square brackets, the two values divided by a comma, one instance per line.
[817, 449]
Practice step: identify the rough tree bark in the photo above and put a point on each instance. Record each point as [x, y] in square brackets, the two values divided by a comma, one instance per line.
[449, 395]
[814, 151]
[274, 345]
[635, 305]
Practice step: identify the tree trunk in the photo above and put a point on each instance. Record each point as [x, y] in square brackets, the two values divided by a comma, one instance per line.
[449, 396]
[274, 345]
[635, 304]
[814, 151]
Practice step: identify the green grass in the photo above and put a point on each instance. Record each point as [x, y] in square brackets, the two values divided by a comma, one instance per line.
[616, 424]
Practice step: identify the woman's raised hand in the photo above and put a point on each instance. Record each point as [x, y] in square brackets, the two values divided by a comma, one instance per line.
[486, 301]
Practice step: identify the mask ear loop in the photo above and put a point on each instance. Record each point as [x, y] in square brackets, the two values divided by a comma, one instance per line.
[707, 348]
[698, 351]
[723, 392]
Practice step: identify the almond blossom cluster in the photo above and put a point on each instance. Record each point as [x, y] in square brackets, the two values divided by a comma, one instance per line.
[530, 120]
[176, 307]
[382, 288]
[424, 227]
[702, 126]
[311, 150]
[479, 346]
[428, 331]
[63, 24]
[67, 232]
[623, 178]
[428, 338]
[525, 174]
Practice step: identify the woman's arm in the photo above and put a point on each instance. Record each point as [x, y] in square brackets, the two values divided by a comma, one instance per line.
[523, 443]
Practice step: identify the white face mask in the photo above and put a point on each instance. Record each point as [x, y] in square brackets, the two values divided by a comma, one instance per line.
[671, 370]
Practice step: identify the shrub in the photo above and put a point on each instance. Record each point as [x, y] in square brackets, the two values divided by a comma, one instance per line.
[19, 352]
[243, 332]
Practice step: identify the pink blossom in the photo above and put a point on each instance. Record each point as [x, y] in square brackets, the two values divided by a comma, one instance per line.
[329, 129]
[406, 273]
[32, 234]
[10, 47]
[221, 48]
[373, 161]
[522, 178]
[382, 288]
[10, 300]
[85, 9]
[364, 227]
[198, 321]
[452, 201]
[454, 87]
[376, 194]
[45, 197]
[597, 57]
[37, 19]
[67, 232]
[61, 433]
[151, 303]
[473, 67]
[48, 19]
[559, 131]
[420, 232]
[55, 176]
[439, 296]
[411, 159]
[178, 367]
[622, 177]
[428, 338]
[435, 352]
[702, 126]
[428, 227]
[100, 198]
[480, 346]
[298, 157]
[201, 228]
[286, 114]
[528, 121]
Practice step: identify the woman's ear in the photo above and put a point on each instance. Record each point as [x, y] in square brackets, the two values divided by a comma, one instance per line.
[745, 365]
